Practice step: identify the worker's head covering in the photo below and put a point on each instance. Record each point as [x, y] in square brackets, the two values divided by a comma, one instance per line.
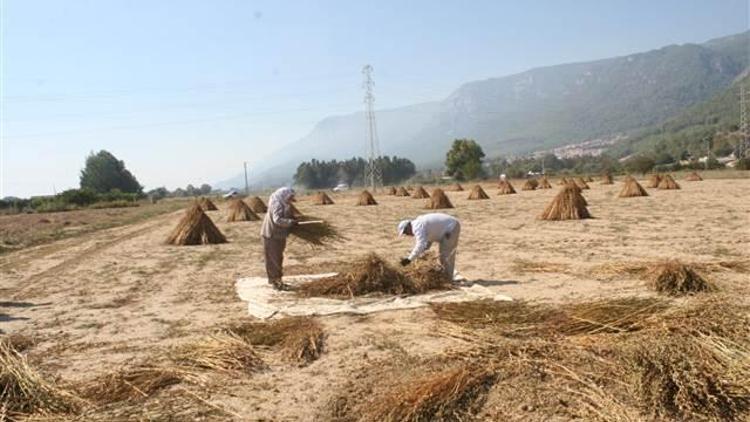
[402, 226]
[502, 176]
[282, 195]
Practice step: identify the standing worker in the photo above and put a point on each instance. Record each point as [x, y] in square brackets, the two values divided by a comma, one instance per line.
[274, 231]
[429, 228]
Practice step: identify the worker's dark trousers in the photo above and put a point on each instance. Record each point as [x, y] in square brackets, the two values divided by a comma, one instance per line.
[273, 250]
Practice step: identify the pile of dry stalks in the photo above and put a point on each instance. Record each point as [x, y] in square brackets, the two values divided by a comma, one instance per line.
[668, 183]
[544, 183]
[392, 190]
[299, 339]
[195, 228]
[207, 205]
[631, 188]
[505, 188]
[366, 198]
[676, 279]
[654, 180]
[581, 182]
[693, 177]
[439, 200]
[239, 211]
[402, 191]
[568, 204]
[322, 198]
[371, 274]
[256, 204]
[607, 179]
[478, 193]
[420, 193]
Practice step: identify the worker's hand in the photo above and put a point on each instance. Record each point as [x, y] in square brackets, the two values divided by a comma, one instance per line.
[405, 262]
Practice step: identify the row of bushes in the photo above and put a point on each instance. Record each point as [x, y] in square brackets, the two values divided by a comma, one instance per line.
[72, 199]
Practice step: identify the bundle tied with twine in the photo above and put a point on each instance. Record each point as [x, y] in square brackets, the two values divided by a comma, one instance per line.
[195, 228]
[668, 183]
[505, 188]
[654, 180]
[420, 193]
[239, 211]
[322, 198]
[439, 200]
[631, 188]
[477, 193]
[315, 231]
[256, 204]
[544, 183]
[207, 204]
[401, 191]
[693, 177]
[568, 204]
[372, 275]
[366, 198]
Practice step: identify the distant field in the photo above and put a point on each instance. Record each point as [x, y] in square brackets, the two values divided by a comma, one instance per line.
[20, 231]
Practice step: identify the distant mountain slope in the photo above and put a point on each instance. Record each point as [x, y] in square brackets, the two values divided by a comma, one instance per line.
[536, 109]
[716, 118]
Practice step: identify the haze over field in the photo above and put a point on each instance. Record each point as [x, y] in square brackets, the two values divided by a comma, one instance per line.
[186, 95]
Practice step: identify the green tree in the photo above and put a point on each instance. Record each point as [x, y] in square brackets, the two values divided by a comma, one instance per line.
[640, 164]
[464, 160]
[205, 189]
[104, 172]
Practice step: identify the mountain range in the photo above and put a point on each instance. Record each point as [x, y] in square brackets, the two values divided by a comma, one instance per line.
[532, 110]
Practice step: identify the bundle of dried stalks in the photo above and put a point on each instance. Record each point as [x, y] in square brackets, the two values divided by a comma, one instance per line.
[179, 404]
[256, 204]
[322, 198]
[631, 188]
[135, 382]
[371, 274]
[392, 190]
[667, 182]
[217, 352]
[239, 211]
[366, 198]
[478, 193]
[654, 180]
[569, 204]
[693, 177]
[676, 279]
[295, 212]
[402, 191]
[448, 394]
[420, 193]
[24, 391]
[195, 228]
[505, 188]
[589, 179]
[530, 184]
[409, 188]
[439, 200]
[563, 181]
[581, 183]
[544, 183]
[607, 179]
[513, 318]
[456, 187]
[207, 205]
[316, 233]
[300, 339]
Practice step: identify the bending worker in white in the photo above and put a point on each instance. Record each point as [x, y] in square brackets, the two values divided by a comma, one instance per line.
[429, 228]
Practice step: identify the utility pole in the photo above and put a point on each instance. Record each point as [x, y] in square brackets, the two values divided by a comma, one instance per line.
[247, 188]
[373, 172]
[707, 140]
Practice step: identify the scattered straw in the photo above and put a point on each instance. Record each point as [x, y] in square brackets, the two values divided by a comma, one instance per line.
[218, 352]
[134, 382]
[300, 339]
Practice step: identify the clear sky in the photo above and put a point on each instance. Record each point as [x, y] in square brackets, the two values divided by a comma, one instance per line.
[184, 91]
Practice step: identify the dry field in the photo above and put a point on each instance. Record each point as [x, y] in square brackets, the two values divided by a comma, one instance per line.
[117, 298]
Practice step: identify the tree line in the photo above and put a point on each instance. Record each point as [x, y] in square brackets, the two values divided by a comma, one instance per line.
[317, 174]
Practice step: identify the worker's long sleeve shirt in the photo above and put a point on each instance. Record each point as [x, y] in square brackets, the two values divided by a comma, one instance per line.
[278, 219]
[430, 228]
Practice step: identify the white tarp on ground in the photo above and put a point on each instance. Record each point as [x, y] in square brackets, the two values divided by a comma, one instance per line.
[265, 302]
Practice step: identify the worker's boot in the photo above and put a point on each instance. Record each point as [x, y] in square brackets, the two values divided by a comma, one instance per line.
[277, 284]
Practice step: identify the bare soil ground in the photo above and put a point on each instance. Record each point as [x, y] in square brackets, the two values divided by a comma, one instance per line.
[111, 297]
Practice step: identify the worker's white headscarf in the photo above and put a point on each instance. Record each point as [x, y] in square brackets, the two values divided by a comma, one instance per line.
[281, 196]
[402, 226]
